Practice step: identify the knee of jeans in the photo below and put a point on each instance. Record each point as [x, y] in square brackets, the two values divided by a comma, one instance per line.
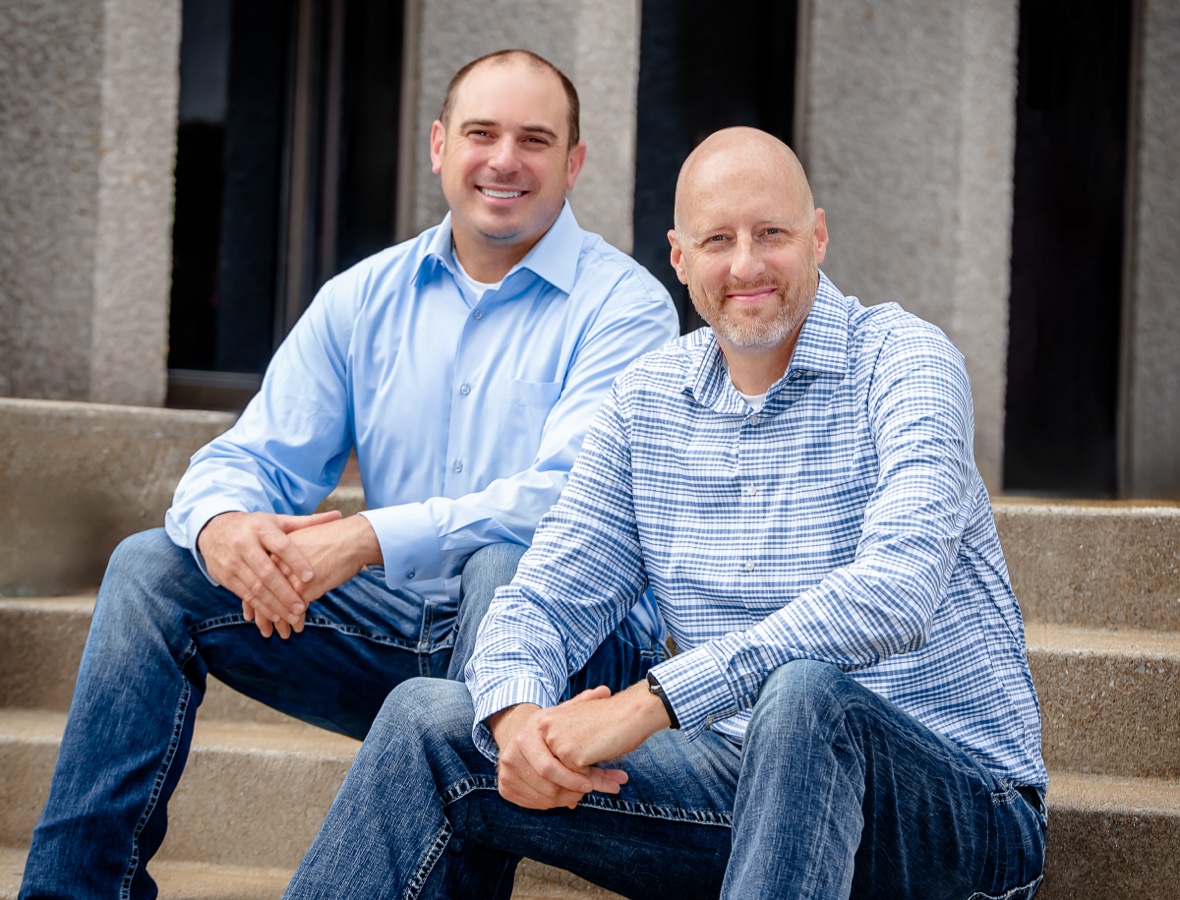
[488, 568]
[144, 574]
[426, 707]
[801, 690]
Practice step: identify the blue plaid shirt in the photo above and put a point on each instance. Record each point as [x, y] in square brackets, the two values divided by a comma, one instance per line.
[842, 521]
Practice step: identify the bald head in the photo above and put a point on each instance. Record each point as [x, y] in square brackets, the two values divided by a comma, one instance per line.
[725, 158]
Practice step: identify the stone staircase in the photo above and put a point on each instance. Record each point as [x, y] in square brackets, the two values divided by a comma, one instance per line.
[1099, 585]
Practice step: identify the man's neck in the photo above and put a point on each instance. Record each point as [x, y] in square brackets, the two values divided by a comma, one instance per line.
[754, 371]
[488, 262]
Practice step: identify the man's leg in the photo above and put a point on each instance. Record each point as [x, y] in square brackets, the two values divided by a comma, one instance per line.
[619, 662]
[844, 795]
[159, 628]
[438, 828]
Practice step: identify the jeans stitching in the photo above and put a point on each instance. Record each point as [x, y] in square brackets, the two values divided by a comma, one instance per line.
[1023, 892]
[161, 776]
[433, 852]
[320, 622]
[655, 811]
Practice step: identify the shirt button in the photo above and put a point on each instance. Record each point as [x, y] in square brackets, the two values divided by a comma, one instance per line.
[465, 389]
[458, 465]
[749, 565]
[478, 314]
[708, 721]
[753, 420]
[751, 490]
[410, 575]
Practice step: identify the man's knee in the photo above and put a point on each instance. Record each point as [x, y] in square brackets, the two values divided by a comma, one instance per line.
[422, 707]
[803, 691]
[488, 568]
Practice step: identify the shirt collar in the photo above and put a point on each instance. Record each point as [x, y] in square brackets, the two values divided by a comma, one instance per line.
[822, 348]
[553, 258]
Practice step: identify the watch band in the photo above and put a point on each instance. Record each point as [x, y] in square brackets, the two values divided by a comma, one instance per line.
[656, 688]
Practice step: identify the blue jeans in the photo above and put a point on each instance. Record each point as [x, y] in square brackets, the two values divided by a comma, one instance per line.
[160, 628]
[836, 793]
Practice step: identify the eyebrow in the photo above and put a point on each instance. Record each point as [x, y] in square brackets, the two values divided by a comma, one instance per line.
[531, 129]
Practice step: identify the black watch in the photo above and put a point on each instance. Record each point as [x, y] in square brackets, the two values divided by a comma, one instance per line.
[656, 688]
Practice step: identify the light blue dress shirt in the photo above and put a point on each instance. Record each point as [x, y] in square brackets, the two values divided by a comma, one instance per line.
[842, 521]
[466, 417]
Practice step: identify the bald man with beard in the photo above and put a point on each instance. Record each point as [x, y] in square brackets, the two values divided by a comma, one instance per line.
[850, 713]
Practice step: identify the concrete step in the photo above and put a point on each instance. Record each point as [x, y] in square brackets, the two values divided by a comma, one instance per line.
[180, 880]
[1108, 699]
[1112, 837]
[1094, 565]
[242, 782]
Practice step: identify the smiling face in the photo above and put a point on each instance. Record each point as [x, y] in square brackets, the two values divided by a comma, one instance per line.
[505, 162]
[748, 242]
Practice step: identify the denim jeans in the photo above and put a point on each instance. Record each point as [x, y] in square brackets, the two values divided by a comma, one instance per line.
[160, 628]
[835, 793]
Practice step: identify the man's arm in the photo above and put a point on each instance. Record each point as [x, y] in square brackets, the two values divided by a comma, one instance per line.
[434, 538]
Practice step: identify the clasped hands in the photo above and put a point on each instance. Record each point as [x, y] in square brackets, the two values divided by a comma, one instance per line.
[277, 565]
[549, 757]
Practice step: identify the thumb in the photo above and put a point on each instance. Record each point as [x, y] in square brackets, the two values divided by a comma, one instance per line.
[595, 693]
[294, 523]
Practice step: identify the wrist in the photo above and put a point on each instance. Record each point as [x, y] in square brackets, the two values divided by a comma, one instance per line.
[656, 690]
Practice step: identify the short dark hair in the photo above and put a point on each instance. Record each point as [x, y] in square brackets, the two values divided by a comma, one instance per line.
[571, 93]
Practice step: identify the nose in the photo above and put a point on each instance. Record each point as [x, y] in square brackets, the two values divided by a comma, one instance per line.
[504, 156]
[746, 264]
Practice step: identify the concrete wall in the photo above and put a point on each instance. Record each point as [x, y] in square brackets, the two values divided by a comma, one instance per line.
[595, 42]
[89, 124]
[906, 126]
[1151, 342]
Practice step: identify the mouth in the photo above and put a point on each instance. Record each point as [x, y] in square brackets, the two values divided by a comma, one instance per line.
[755, 295]
[501, 194]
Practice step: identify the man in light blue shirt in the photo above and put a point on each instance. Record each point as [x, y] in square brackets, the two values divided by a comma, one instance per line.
[464, 366]
[850, 713]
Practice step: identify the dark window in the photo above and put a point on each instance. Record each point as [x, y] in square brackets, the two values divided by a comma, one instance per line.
[285, 175]
[701, 68]
[1067, 247]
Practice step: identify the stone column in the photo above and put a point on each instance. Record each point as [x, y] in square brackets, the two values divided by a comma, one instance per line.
[86, 166]
[906, 126]
[1150, 436]
[595, 42]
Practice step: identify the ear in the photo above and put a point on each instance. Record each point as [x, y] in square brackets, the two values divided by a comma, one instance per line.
[821, 236]
[677, 256]
[577, 159]
[438, 135]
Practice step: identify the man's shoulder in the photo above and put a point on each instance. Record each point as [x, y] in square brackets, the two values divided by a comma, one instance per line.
[602, 264]
[871, 326]
[399, 262]
[669, 368]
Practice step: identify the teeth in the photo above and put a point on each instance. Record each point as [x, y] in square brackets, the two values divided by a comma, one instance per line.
[501, 195]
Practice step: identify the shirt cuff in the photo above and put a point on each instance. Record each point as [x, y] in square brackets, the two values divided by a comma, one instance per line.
[697, 690]
[509, 693]
[409, 543]
[184, 534]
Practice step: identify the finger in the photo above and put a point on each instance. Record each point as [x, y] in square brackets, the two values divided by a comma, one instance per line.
[601, 692]
[267, 588]
[607, 781]
[283, 628]
[265, 627]
[247, 611]
[549, 774]
[294, 523]
[283, 550]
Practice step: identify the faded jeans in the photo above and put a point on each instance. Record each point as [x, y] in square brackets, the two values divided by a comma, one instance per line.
[160, 628]
[835, 793]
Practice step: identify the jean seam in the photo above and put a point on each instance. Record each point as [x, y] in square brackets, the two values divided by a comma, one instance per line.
[182, 706]
[429, 859]
[658, 811]
[1021, 891]
[320, 622]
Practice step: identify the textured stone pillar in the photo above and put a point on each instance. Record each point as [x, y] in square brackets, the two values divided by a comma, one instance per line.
[1150, 444]
[595, 42]
[89, 125]
[906, 128]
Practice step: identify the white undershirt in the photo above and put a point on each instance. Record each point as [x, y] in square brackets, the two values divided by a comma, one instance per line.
[754, 400]
[471, 289]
